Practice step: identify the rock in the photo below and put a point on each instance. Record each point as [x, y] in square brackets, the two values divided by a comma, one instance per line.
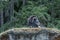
[30, 34]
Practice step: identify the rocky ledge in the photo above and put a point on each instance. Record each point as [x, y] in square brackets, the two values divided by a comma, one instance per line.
[30, 34]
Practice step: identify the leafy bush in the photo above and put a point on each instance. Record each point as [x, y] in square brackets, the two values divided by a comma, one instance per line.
[47, 11]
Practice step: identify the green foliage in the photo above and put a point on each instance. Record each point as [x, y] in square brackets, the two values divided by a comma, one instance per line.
[47, 11]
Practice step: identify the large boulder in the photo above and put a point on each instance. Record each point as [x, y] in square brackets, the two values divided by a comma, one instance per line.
[30, 34]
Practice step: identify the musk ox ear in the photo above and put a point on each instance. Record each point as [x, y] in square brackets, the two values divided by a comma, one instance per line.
[33, 21]
[30, 20]
[31, 17]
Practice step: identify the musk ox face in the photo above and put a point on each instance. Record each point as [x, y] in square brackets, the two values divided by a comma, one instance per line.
[33, 21]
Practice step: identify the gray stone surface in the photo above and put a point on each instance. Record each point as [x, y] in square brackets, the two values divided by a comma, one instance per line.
[42, 35]
[33, 34]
